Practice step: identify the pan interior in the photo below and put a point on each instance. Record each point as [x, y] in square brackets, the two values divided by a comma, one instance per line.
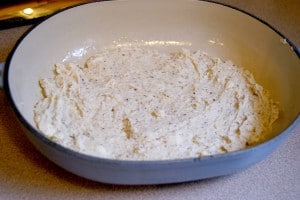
[76, 33]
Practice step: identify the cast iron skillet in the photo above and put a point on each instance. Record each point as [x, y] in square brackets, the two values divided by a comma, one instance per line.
[226, 32]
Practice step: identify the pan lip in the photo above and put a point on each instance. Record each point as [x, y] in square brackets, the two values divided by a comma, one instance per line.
[96, 159]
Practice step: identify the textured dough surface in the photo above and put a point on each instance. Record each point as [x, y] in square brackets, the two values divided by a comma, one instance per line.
[136, 103]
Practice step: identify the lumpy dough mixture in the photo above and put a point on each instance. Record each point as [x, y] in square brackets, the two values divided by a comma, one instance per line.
[136, 103]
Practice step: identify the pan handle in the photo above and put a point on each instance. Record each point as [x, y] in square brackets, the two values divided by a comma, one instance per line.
[1, 73]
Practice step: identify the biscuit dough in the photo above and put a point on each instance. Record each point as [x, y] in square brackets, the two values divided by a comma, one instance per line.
[136, 103]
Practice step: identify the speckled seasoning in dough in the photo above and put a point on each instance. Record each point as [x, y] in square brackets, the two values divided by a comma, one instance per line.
[136, 103]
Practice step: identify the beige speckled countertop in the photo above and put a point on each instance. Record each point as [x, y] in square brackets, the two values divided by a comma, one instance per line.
[26, 174]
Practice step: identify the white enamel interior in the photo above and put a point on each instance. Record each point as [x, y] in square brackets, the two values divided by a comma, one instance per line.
[213, 28]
